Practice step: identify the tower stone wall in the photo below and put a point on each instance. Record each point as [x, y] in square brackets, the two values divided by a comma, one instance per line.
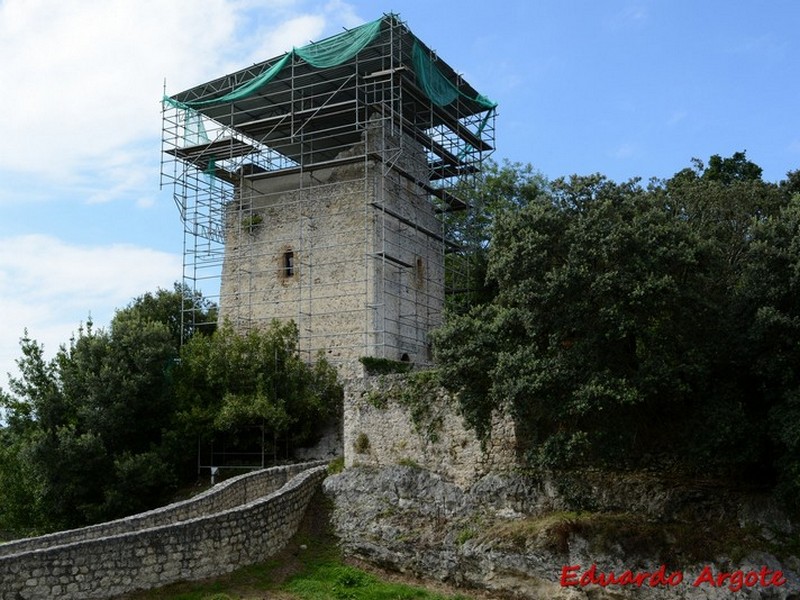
[353, 253]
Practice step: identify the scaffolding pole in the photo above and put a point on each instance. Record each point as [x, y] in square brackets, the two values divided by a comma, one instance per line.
[327, 198]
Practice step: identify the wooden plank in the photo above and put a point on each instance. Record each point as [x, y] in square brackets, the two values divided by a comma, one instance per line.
[218, 150]
[392, 259]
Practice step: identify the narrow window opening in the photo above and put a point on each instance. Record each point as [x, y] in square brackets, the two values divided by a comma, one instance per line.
[405, 358]
[288, 263]
[420, 273]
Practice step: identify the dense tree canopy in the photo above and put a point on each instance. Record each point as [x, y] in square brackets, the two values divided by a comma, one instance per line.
[87, 428]
[500, 188]
[634, 324]
[229, 381]
[110, 426]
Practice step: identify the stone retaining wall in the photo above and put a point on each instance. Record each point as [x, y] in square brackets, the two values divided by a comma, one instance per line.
[144, 556]
[379, 431]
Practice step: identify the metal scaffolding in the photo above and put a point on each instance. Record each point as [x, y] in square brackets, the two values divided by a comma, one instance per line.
[322, 196]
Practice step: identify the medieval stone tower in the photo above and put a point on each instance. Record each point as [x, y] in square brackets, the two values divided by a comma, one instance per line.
[322, 186]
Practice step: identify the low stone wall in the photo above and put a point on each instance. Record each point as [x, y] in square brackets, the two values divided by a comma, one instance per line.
[379, 431]
[226, 494]
[195, 548]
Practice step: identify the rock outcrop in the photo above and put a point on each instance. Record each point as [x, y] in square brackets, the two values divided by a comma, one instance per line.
[538, 537]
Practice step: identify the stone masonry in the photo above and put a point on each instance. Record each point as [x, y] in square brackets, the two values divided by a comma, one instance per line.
[379, 431]
[352, 253]
[230, 526]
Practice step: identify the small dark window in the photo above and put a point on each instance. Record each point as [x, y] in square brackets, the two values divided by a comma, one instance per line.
[288, 264]
[405, 358]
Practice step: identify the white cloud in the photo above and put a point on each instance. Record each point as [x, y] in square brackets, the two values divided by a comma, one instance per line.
[625, 150]
[49, 287]
[85, 75]
[297, 31]
[82, 79]
[82, 84]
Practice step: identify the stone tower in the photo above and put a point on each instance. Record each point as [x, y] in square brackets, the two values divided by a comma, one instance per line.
[317, 185]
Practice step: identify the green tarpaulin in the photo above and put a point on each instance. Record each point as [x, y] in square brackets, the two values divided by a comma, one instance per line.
[339, 49]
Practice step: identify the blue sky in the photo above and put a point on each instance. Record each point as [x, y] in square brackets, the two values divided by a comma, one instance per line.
[622, 87]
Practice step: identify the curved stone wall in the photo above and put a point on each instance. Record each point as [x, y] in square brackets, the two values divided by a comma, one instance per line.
[237, 523]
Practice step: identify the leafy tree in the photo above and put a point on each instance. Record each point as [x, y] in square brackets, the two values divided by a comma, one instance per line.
[771, 297]
[21, 510]
[183, 311]
[729, 170]
[638, 323]
[603, 305]
[500, 188]
[92, 429]
[229, 381]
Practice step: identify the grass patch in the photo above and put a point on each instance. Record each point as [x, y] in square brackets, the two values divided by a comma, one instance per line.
[336, 465]
[342, 582]
[319, 578]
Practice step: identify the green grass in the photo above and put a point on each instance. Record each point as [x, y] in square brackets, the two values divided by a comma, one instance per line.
[343, 582]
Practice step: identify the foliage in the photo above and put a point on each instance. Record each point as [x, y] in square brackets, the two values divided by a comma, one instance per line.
[87, 427]
[500, 189]
[344, 582]
[336, 466]
[228, 381]
[418, 393]
[383, 366]
[252, 222]
[361, 443]
[109, 426]
[626, 316]
[182, 310]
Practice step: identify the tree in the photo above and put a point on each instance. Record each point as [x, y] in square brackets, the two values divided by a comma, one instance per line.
[771, 296]
[729, 170]
[628, 321]
[228, 382]
[500, 188]
[173, 308]
[92, 428]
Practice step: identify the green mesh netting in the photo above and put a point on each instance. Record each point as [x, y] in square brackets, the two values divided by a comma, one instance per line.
[194, 130]
[249, 88]
[337, 50]
[326, 53]
[436, 86]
